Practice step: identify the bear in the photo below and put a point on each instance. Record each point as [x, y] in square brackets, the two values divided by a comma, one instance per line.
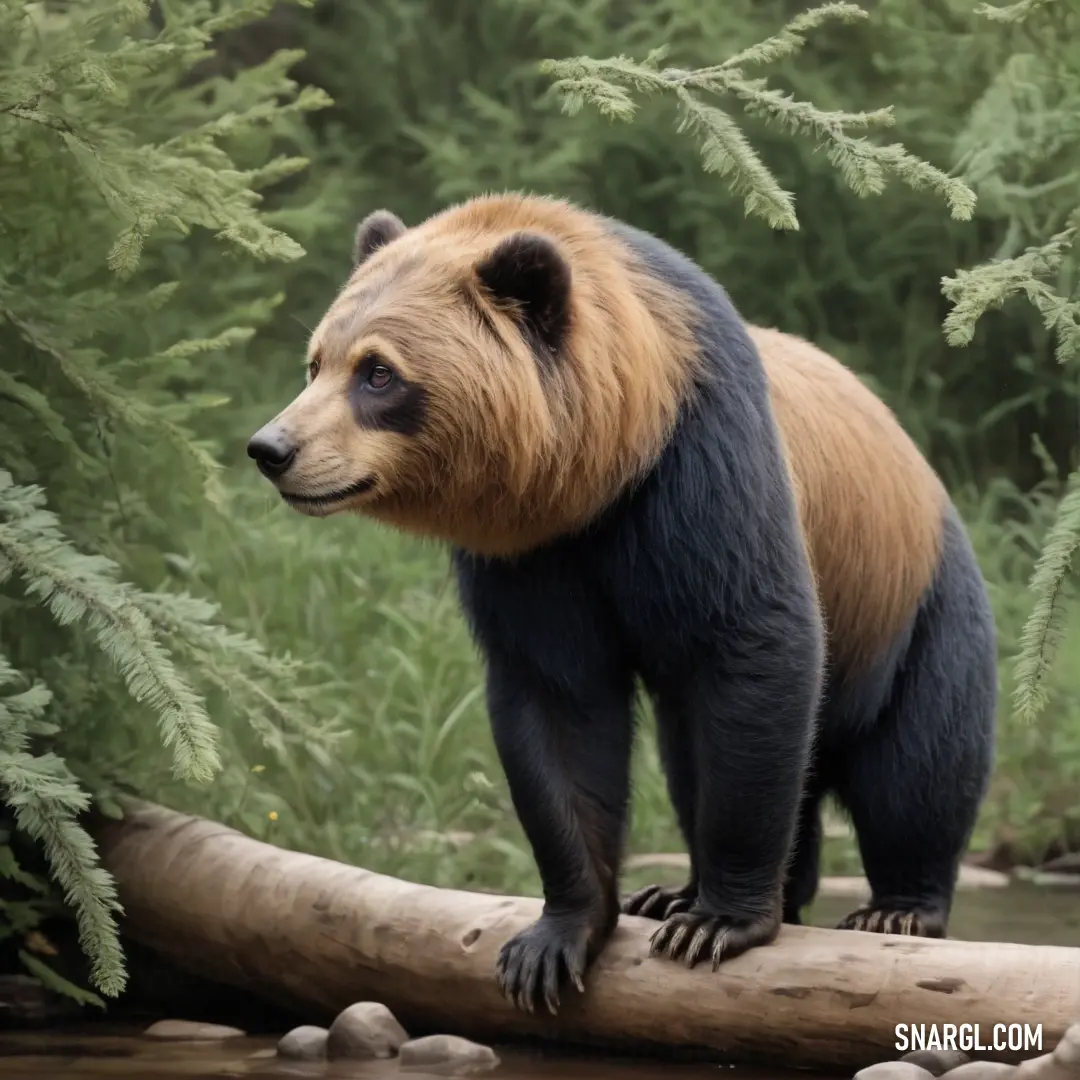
[640, 488]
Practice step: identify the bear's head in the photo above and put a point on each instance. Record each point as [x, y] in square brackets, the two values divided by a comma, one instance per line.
[492, 377]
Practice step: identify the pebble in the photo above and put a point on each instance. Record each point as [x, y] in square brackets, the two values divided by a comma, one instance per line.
[1063, 1063]
[937, 1062]
[1055, 879]
[365, 1030]
[1063, 864]
[1045, 1067]
[894, 1070]
[1067, 1051]
[191, 1031]
[983, 1070]
[447, 1055]
[304, 1043]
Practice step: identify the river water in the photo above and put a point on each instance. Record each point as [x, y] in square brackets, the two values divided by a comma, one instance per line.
[1027, 914]
[126, 1056]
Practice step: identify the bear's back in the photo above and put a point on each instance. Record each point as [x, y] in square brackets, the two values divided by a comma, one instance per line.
[871, 505]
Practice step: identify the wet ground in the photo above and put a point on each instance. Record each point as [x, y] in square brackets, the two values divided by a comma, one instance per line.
[1023, 913]
[130, 1057]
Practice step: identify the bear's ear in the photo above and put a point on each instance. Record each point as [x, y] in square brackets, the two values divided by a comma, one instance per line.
[528, 271]
[374, 232]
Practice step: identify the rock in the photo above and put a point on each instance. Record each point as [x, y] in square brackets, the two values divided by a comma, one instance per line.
[365, 1030]
[981, 877]
[969, 877]
[450, 1055]
[937, 1062]
[304, 1043]
[844, 885]
[983, 1070]
[894, 1070]
[1062, 1064]
[191, 1031]
[674, 860]
[1063, 864]
[25, 1000]
[1044, 1067]
[1055, 880]
[1067, 1051]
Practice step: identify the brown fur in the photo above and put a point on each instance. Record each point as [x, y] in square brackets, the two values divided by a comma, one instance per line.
[513, 455]
[521, 456]
[871, 506]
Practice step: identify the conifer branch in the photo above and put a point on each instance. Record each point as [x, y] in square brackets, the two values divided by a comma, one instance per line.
[990, 285]
[105, 395]
[725, 150]
[998, 151]
[77, 587]
[1012, 13]
[15, 391]
[194, 622]
[1044, 630]
[46, 801]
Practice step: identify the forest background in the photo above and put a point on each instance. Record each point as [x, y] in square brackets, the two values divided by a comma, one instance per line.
[178, 189]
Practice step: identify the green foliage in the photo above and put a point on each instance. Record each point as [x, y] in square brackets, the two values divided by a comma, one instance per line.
[1022, 144]
[84, 588]
[115, 145]
[1044, 630]
[725, 149]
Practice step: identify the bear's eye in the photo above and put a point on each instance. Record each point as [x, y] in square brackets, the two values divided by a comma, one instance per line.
[312, 370]
[380, 377]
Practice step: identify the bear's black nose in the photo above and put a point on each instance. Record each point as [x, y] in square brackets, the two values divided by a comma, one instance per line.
[272, 450]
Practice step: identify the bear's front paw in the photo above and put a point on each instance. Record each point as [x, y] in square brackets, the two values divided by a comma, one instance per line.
[696, 934]
[658, 902]
[534, 965]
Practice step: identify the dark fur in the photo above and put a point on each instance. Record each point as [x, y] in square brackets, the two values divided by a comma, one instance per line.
[401, 406]
[697, 581]
[374, 232]
[908, 751]
[527, 271]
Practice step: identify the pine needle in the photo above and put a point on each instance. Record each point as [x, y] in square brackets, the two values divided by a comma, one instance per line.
[725, 150]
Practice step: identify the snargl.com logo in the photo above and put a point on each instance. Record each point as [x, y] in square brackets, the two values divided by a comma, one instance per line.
[968, 1037]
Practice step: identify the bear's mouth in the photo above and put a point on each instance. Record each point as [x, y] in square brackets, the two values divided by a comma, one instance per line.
[324, 500]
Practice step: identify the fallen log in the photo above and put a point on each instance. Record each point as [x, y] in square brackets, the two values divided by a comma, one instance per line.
[317, 935]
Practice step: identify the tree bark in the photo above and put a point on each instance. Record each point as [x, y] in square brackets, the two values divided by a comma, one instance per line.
[317, 935]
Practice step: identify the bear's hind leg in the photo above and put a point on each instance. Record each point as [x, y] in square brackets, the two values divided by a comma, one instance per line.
[916, 777]
[676, 754]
